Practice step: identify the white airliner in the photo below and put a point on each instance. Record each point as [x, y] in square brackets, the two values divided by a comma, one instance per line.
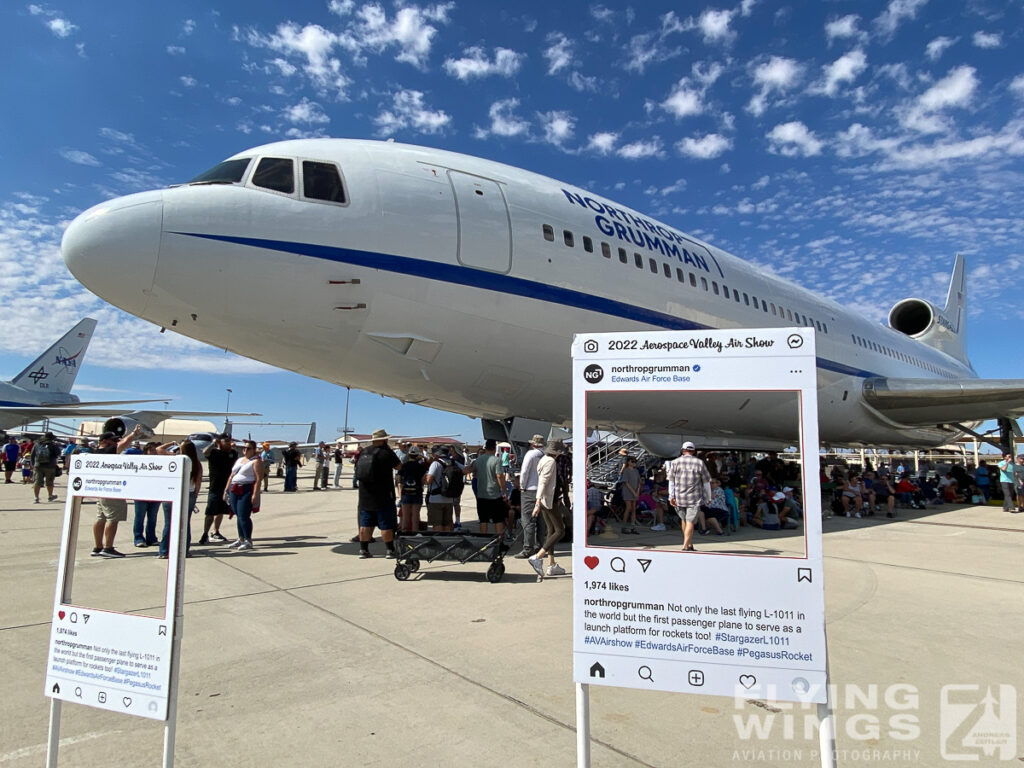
[458, 283]
[43, 391]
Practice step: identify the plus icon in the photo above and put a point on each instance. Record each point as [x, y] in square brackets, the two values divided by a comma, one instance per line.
[695, 678]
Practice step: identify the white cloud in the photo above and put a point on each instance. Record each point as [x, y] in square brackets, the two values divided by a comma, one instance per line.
[312, 43]
[53, 20]
[987, 40]
[895, 14]
[411, 30]
[714, 25]
[409, 111]
[504, 121]
[843, 70]
[582, 83]
[79, 157]
[188, 26]
[844, 28]
[306, 111]
[938, 46]
[776, 75]
[188, 81]
[558, 53]
[925, 114]
[793, 139]
[639, 150]
[1009, 141]
[684, 100]
[558, 127]
[603, 142]
[175, 50]
[704, 148]
[1017, 86]
[747, 7]
[649, 47]
[475, 63]
[859, 140]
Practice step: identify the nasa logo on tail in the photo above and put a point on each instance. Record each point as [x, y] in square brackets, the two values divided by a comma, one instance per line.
[66, 361]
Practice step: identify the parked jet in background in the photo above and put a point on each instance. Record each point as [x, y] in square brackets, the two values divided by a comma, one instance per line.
[43, 391]
[458, 283]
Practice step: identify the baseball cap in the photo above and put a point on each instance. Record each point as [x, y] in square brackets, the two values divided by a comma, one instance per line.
[688, 446]
[108, 436]
[537, 440]
[779, 496]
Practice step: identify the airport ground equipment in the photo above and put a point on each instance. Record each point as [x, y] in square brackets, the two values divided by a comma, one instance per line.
[436, 546]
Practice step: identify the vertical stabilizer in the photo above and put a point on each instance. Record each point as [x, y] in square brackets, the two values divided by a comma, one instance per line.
[54, 371]
[954, 342]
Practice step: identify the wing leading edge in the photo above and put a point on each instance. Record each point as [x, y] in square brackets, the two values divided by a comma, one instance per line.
[951, 401]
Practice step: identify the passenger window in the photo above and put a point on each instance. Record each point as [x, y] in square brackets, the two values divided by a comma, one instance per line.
[772, 305]
[567, 237]
[667, 270]
[638, 260]
[321, 181]
[622, 255]
[725, 290]
[693, 280]
[653, 265]
[680, 276]
[746, 299]
[276, 173]
[606, 250]
[764, 305]
[714, 287]
[588, 244]
[789, 314]
[753, 300]
[704, 283]
[736, 295]
[549, 233]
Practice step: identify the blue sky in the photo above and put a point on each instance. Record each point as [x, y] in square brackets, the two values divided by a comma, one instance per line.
[852, 147]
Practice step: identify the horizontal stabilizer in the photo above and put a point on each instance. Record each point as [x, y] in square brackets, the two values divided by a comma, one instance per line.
[945, 401]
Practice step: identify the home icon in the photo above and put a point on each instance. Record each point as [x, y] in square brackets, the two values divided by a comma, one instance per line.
[597, 670]
[56, 686]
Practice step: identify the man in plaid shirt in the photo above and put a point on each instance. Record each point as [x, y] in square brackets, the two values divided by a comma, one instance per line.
[687, 482]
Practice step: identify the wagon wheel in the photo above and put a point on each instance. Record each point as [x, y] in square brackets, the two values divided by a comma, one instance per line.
[413, 563]
[495, 572]
[402, 572]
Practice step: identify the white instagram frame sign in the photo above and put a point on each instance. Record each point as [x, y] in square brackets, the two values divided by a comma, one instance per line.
[121, 662]
[690, 622]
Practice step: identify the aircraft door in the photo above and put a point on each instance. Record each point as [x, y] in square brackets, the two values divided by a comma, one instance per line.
[485, 233]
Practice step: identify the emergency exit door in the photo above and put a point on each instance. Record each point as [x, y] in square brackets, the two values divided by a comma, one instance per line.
[485, 233]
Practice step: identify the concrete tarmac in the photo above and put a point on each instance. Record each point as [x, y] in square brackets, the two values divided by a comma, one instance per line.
[301, 654]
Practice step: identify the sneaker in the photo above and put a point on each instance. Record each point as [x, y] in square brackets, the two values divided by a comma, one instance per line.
[524, 554]
[52, 498]
[235, 544]
[96, 552]
[216, 536]
[37, 501]
[203, 540]
[141, 544]
[110, 552]
[390, 554]
[555, 570]
[625, 529]
[857, 515]
[161, 557]
[658, 527]
[634, 530]
[245, 546]
[848, 514]
[457, 528]
[365, 554]
[537, 563]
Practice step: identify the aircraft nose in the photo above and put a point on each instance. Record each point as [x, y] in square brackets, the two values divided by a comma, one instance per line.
[112, 249]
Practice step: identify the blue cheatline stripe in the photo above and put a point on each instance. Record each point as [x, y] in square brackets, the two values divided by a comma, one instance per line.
[490, 281]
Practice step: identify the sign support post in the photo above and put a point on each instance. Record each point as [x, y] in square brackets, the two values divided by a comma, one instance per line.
[582, 725]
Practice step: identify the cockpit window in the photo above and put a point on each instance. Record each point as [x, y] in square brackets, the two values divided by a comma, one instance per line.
[321, 181]
[228, 172]
[276, 173]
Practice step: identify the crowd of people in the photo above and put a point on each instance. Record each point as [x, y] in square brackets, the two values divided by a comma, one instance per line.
[707, 493]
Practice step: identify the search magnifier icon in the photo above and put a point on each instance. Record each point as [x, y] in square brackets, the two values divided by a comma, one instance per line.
[645, 673]
[78, 692]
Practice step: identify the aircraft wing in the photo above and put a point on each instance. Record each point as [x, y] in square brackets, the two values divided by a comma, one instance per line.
[945, 401]
[77, 411]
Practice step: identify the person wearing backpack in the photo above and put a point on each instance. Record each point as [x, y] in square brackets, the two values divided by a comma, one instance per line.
[444, 481]
[375, 471]
[410, 487]
[45, 455]
[491, 504]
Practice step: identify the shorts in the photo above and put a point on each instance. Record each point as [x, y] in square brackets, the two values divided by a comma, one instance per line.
[215, 504]
[384, 519]
[689, 514]
[440, 514]
[111, 510]
[491, 510]
[412, 498]
[10, 465]
[45, 475]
